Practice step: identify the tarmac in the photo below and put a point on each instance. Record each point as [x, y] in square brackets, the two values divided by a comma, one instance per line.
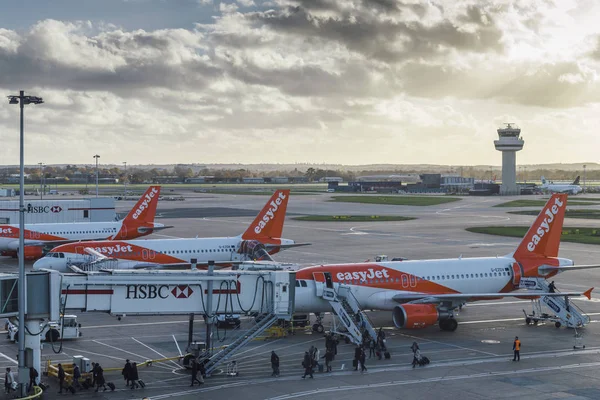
[474, 362]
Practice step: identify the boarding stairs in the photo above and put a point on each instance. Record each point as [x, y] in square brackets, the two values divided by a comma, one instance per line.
[242, 340]
[346, 308]
[91, 264]
[565, 312]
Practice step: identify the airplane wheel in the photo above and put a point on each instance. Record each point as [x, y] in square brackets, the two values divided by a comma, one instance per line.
[528, 320]
[449, 325]
[318, 328]
[557, 324]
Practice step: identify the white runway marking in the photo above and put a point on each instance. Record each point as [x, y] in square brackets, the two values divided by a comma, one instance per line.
[370, 386]
[8, 358]
[451, 345]
[151, 349]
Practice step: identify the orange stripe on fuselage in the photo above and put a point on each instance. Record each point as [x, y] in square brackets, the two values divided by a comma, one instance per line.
[376, 276]
[121, 250]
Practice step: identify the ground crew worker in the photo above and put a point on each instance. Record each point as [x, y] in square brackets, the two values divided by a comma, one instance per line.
[274, 363]
[61, 377]
[517, 349]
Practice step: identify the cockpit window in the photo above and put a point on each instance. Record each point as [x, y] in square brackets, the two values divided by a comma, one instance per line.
[61, 255]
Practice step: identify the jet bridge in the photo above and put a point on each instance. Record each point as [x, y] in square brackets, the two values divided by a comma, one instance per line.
[158, 292]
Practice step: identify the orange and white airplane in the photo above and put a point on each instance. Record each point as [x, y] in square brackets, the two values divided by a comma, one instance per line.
[139, 222]
[424, 292]
[264, 234]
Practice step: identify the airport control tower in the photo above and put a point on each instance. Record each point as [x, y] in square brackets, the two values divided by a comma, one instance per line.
[509, 142]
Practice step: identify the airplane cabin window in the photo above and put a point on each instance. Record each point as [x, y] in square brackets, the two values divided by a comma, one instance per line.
[297, 284]
[303, 284]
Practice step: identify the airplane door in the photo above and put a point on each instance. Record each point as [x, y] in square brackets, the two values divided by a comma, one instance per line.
[319, 282]
[517, 273]
[123, 231]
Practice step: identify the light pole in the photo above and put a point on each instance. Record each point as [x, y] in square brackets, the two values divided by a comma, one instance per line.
[41, 180]
[96, 157]
[125, 180]
[584, 186]
[22, 100]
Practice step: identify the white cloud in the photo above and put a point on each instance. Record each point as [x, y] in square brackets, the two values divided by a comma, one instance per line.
[345, 81]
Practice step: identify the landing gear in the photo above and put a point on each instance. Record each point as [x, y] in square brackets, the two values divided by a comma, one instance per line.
[318, 325]
[448, 325]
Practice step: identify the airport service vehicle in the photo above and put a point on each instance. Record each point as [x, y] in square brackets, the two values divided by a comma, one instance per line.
[228, 321]
[67, 326]
[139, 222]
[421, 293]
[265, 230]
[573, 188]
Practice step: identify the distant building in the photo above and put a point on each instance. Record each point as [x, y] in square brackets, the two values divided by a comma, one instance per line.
[331, 179]
[253, 180]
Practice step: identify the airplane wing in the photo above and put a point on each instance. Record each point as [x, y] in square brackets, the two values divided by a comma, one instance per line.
[549, 268]
[153, 229]
[286, 246]
[427, 298]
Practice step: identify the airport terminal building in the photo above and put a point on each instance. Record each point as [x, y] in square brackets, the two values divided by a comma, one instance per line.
[98, 209]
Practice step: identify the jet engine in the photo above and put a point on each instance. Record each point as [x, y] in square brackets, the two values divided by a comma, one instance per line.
[33, 252]
[416, 316]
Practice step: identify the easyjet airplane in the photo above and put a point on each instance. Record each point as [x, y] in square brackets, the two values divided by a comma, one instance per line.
[264, 233]
[425, 292]
[139, 222]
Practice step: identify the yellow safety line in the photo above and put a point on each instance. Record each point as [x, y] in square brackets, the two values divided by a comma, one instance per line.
[37, 392]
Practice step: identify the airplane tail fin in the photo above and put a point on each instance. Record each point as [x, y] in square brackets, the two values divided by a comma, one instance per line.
[269, 221]
[543, 238]
[143, 212]
[576, 181]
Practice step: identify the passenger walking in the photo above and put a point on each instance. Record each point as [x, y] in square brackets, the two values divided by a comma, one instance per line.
[274, 364]
[552, 287]
[517, 349]
[195, 369]
[372, 346]
[9, 378]
[99, 377]
[414, 347]
[94, 373]
[61, 378]
[76, 376]
[328, 359]
[134, 377]
[362, 358]
[33, 374]
[357, 352]
[126, 372]
[416, 357]
[316, 357]
[307, 364]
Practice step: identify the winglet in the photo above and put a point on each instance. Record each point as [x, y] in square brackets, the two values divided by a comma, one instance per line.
[588, 293]
[269, 222]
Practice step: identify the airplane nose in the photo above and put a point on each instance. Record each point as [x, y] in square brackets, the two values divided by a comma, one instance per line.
[39, 264]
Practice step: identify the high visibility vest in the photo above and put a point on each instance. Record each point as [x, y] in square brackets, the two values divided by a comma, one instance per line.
[517, 345]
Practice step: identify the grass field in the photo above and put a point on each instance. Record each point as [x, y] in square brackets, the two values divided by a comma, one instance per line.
[352, 218]
[396, 200]
[587, 214]
[542, 203]
[574, 235]
[256, 192]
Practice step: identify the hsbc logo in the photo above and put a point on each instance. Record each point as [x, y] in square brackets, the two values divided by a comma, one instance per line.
[182, 291]
[56, 209]
[149, 292]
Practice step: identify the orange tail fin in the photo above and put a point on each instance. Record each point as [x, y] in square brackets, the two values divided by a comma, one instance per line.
[145, 209]
[269, 222]
[543, 238]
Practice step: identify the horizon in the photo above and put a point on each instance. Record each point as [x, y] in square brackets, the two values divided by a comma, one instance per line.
[336, 82]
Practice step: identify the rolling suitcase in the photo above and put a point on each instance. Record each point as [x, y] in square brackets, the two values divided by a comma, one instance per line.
[111, 386]
[355, 363]
[71, 389]
[142, 384]
[387, 355]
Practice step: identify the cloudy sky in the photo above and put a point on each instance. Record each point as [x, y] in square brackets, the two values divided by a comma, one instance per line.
[335, 81]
